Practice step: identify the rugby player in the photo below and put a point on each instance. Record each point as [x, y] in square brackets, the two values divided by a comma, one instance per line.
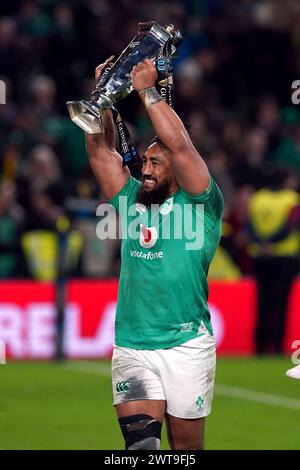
[163, 363]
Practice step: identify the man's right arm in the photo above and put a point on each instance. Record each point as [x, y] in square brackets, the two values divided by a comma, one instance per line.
[105, 161]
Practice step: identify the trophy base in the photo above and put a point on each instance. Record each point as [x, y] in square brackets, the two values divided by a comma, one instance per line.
[86, 115]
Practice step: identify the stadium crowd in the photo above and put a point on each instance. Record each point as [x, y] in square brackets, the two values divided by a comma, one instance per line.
[233, 81]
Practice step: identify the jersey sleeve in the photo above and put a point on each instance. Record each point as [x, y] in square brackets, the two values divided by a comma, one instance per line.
[211, 197]
[127, 193]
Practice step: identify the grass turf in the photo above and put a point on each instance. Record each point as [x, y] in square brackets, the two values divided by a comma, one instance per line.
[68, 406]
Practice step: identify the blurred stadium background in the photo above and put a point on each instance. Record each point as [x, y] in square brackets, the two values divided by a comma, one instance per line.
[233, 86]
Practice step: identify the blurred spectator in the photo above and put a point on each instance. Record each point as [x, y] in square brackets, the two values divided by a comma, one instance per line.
[253, 162]
[223, 266]
[236, 217]
[218, 166]
[10, 54]
[11, 225]
[288, 151]
[274, 219]
[50, 252]
[41, 189]
[200, 134]
[268, 116]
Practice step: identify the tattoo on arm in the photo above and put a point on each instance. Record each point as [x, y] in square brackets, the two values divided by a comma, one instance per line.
[150, 96]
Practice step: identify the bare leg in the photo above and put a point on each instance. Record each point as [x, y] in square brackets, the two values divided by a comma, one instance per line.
[185, 434]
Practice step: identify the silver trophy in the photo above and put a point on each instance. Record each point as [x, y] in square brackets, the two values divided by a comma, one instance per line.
[115, 83]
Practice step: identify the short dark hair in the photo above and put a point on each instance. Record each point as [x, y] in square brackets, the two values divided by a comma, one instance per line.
[156, 140]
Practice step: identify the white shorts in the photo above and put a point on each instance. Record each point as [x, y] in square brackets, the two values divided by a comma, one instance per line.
[183, 376]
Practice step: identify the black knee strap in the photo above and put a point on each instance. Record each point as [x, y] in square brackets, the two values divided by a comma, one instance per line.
[138, 427]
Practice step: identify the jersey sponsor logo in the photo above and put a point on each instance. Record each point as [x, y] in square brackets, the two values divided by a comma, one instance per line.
[149, 255]
[186, 327]
[170, 221]
[148, 236]
[123, 386]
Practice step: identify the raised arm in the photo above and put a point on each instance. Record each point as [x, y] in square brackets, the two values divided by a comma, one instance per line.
[105, 161]
[190, 169]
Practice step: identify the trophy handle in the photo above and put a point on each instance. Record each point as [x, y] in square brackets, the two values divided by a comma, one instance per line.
[86, 115]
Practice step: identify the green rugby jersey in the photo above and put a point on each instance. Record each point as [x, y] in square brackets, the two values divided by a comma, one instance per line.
[165, 253]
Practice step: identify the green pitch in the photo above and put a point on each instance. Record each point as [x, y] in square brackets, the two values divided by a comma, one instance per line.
[68, 406]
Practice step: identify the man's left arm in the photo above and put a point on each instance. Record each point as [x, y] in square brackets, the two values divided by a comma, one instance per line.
[191, 171]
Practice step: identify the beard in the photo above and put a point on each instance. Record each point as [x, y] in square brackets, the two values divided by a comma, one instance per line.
[157, 195]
